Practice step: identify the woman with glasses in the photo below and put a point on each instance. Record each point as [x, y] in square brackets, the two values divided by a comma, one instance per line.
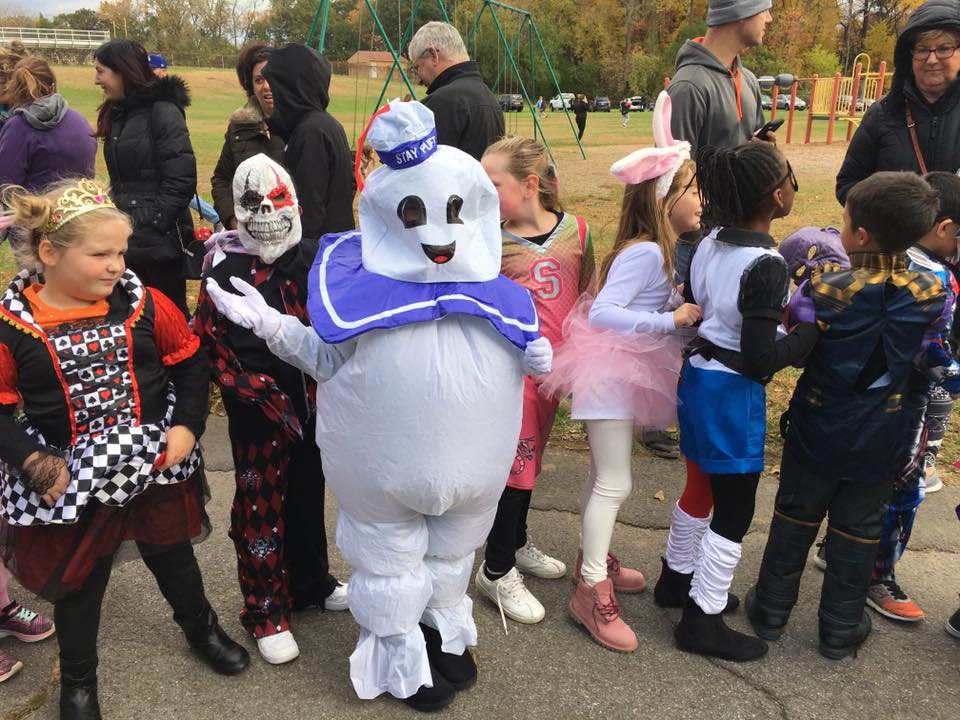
[916, 127]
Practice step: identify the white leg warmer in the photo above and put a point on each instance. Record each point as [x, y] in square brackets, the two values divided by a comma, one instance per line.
[683, 542]
[714, 572]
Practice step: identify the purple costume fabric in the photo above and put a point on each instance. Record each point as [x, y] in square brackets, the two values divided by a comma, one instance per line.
[346, 300]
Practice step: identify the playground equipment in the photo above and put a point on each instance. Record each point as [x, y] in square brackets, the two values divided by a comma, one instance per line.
[846, 98]
[525, 47]
[843, 97]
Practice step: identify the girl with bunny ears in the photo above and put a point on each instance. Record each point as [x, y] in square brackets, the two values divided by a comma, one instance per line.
[620, 360]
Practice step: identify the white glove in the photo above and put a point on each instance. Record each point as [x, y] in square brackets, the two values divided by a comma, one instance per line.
[538, 357]
[248, 309]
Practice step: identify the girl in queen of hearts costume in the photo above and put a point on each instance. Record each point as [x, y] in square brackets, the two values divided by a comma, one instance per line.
[114, 392]
[420, 349]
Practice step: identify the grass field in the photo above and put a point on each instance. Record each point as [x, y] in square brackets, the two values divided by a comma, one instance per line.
[587, 186]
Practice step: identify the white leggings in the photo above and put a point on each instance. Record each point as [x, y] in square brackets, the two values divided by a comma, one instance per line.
[609, 484]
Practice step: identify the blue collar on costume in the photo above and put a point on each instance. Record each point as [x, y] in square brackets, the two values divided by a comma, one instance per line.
[410, 153]
[346, 300]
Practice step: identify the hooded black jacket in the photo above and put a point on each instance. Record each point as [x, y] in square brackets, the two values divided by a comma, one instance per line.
[882, 142]
[318, 154]
[153, 171]
[246, 136]
[467, 114]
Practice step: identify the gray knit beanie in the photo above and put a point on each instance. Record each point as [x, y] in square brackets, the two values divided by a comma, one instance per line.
[722, 12]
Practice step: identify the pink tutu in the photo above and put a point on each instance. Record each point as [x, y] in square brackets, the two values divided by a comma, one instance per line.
[612, 375]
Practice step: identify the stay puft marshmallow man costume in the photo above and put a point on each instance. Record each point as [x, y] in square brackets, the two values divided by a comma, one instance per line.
[420, 347]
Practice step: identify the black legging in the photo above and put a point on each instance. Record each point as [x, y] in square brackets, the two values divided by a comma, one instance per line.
[734, 498]
[77, 615]
[509, 531]
[581, 126]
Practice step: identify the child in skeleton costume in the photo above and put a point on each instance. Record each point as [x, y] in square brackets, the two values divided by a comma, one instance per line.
[741, 284]
[114, 395]
[620, 359]
[549, 252]
[856, 415]
[420, 348]
[276, 521]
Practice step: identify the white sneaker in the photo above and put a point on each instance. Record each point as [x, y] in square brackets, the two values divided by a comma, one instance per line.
[337, 600]
[511, 596]
[530, 559]
[278, 649]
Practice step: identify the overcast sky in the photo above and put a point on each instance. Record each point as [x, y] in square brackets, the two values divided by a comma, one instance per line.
[47, 7]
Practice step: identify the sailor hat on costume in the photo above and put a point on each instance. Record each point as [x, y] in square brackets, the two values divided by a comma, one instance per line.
[429, 214]
[660, 162]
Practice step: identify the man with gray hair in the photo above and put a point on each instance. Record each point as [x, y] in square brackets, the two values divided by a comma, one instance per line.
[467, 114]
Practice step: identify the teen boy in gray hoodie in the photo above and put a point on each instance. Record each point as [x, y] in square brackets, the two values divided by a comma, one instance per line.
[716, 101]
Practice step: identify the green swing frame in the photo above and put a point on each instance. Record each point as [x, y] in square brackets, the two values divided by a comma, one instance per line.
[526, 31]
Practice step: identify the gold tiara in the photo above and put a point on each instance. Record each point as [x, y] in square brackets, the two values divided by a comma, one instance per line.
[83, 197]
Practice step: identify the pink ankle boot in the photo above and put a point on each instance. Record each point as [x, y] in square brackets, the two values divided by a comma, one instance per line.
[597, 609]
[625, 580]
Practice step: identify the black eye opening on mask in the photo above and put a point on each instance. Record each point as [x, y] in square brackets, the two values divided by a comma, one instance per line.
[454, 205]
[412, 212]
[251, 200]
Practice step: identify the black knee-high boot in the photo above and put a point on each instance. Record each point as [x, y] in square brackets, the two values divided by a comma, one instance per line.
[770, 601]
[843, 623]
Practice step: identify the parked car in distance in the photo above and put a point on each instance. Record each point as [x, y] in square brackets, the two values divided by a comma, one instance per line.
[638, 103]
[601, 103]
[511, 103]
[561, 101]
[766, 102]
[783, 103]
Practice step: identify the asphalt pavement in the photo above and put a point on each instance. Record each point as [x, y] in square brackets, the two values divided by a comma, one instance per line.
[550, 670]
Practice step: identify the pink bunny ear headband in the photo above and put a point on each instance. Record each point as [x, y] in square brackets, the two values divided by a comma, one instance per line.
[661, 161]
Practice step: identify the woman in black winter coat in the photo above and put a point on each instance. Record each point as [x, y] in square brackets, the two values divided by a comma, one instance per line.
[247, 134]
[925, 89]
[153, 171]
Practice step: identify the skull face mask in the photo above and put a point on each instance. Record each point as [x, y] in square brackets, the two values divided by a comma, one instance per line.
[265, 205]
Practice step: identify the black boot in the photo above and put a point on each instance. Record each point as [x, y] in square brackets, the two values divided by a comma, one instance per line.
[78, 690]
[459, 670]
[844, 624]
[705, 634]
[209, 640]
[771, 600]
[673, 589]
[429, 699]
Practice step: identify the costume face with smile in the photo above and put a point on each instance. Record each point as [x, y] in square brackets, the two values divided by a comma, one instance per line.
[429, 213]
[265, 202]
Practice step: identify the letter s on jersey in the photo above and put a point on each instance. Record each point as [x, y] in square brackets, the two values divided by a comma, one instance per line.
[546, 274]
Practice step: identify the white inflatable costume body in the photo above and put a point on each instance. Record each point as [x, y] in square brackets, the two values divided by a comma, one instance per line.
[421, 366]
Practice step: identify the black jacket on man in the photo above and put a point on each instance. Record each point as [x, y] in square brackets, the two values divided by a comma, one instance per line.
[318, 154]
[467, 114]
[153, 171]
[882, 142]
[246, 136]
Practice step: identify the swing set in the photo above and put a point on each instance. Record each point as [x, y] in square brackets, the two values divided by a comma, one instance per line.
[520, 54]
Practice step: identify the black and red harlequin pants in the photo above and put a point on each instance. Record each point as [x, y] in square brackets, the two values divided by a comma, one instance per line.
[276, 522]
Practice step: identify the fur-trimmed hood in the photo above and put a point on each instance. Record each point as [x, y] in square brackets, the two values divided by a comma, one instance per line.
[248, 114]
[172, 89]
